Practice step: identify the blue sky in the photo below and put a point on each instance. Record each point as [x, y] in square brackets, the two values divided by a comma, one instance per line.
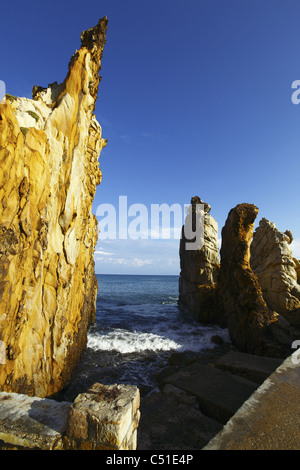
[195, 99]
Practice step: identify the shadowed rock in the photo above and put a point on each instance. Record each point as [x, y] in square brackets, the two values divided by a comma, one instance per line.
[250, 321]
[199, 267]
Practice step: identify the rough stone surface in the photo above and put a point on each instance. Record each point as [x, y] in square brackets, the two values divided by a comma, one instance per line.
[49, 149]
[276, 269]
[106, 417]
[199, 268]
[251, 324]
[32, 422]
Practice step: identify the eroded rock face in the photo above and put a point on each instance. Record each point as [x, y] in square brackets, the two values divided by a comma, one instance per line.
[297, 269]
[278, 273]
[49, 149]
[199, 270]
[249, 319]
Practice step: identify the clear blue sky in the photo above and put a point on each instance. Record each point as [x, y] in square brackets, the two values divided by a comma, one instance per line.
[195, 99]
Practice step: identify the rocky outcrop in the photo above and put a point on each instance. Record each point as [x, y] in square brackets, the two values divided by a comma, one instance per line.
[49, 149]
[277, 271]
[229, 294]
[200, 267]
[251, 323]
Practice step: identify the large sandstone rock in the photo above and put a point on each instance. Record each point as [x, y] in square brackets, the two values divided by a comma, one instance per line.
[49, 149]
[278, 273]
[249, 319]
[199, 268]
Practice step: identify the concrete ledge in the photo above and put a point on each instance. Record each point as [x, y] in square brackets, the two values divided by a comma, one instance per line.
[269, 419]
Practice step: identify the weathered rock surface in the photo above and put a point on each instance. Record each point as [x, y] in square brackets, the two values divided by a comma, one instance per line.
[249, 319]
[49, 149]
[277, 272]
[200, 267]
[297, 268]
[32, 422]
[105, 417]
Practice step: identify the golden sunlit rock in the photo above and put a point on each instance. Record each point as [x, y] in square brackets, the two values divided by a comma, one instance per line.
[49, 149]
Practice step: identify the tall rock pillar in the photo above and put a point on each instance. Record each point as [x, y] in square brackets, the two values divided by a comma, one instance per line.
[199, 268]
[49, 149]
[252, 326]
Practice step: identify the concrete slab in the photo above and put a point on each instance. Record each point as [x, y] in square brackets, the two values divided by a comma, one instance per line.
[269, 419]
[219, 393]
[255, 368]
[32, 422]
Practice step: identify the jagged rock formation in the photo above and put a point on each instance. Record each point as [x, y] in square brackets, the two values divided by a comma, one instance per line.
[199, 268]
[272, 262]
[49, 149]
[229, 294]
[248, 316]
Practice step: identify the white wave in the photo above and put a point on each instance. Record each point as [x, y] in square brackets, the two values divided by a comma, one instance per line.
[182, 338]
[171, 300]
[125, 341]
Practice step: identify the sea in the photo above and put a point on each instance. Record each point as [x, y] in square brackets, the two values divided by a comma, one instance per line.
[138, 326]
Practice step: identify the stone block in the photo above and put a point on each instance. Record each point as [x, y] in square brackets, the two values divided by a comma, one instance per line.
[105, 416]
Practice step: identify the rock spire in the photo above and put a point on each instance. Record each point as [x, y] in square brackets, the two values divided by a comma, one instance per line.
[49, 149]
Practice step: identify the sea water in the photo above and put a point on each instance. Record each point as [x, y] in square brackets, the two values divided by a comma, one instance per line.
[138, 325]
